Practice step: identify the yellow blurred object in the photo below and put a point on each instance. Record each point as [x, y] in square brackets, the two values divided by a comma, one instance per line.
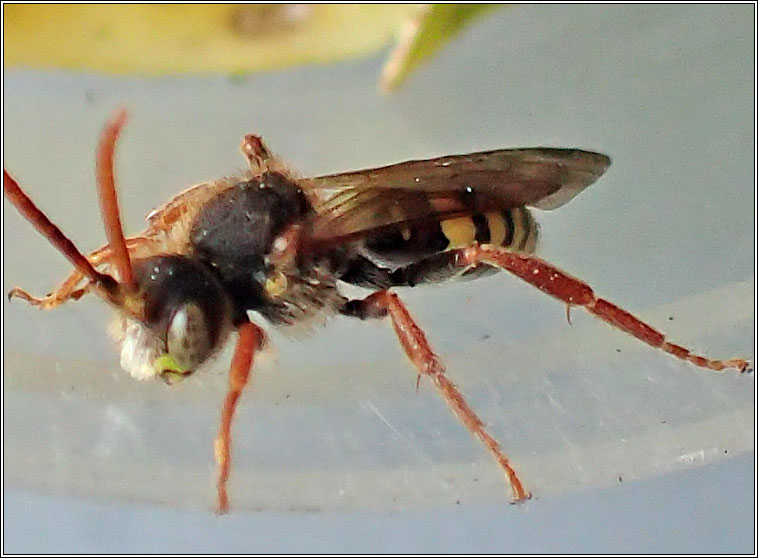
[201, 38]
[234, 39]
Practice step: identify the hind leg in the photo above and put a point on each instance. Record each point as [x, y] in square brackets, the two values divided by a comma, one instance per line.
[574, 292]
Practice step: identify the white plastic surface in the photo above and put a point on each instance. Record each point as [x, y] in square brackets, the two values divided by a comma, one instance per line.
[332, 423]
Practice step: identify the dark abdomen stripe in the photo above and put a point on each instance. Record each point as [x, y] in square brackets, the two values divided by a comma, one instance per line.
[482, 227]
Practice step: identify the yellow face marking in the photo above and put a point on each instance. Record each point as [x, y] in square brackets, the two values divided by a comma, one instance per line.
[167, 363]
[461, 232]
[519, 228]
[168, 368]
[496, 225]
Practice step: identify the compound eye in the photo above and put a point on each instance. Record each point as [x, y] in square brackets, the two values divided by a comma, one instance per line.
[188, 339]
[186, 309]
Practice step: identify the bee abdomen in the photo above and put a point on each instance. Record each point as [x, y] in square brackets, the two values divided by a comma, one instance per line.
[419, 253]
[512, 228]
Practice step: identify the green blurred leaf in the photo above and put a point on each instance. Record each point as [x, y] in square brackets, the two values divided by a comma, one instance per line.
[423, 35]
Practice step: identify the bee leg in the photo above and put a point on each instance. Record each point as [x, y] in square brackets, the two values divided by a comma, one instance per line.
[574, 292]
[437, 268]
[138, 246]
[52, 300]
[420, 353]
[250, 338]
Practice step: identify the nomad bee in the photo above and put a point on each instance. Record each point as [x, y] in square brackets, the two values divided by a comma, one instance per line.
[266, 241]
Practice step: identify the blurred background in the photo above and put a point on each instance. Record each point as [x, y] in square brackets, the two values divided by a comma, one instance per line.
[625, 448]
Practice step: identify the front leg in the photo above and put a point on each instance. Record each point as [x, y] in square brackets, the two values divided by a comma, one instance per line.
[421, 354]
[73, 287]
[250, 338]
[574, 292]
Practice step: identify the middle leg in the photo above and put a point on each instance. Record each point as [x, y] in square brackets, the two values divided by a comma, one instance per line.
[420, 353]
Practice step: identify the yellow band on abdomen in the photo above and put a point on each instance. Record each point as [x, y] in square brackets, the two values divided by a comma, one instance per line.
[461, 232]
[497, 227]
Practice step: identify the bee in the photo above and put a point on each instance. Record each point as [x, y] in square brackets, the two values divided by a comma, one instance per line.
[270, 242]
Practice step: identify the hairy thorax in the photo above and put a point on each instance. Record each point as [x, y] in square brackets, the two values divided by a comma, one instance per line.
[248, 236]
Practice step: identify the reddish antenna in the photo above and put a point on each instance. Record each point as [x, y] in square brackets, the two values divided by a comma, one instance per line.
[39, 220]
[109, 287]
[106, 189]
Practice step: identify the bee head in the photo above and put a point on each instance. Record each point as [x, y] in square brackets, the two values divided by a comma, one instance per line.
[173, 313]
[185, 318]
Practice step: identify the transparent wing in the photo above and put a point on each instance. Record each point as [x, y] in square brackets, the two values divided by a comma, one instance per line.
[363, 203]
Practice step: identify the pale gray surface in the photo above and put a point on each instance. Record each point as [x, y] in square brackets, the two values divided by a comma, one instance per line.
[634, 518]
[336, 426]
